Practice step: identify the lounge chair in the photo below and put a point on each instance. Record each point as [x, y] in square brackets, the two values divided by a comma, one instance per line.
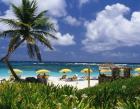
[91, 78]
[74, 78]
[63, 77]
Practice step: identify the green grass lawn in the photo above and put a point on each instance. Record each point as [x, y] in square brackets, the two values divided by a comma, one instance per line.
[120, 94]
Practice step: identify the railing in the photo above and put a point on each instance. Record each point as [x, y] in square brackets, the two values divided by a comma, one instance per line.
[116, 73]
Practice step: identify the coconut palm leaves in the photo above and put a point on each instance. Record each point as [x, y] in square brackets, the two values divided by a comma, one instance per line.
[28, 27]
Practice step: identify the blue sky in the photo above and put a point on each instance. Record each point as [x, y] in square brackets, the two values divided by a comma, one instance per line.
[88, 30]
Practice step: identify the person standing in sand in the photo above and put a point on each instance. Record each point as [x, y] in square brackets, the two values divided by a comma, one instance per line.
[45, 78]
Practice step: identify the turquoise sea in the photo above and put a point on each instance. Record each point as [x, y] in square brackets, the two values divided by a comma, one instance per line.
[29, 68]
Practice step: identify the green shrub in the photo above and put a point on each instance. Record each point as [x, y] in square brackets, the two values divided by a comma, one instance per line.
[119, 94]
[109, 94]
[39, 96]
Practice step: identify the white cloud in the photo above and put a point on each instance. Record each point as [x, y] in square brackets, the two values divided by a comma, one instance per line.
[8, 14]
[56, 7]
[112, 29]
[63, 40]
[120, 54]
[82, 2]
[72, 21]
[16, 2]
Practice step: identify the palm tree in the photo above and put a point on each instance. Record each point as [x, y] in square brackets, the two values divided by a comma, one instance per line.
[28, 27]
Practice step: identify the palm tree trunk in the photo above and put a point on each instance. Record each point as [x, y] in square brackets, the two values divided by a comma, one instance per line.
[5, 60]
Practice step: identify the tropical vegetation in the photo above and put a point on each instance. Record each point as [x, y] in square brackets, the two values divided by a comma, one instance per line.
[29, 27]
[119, 94]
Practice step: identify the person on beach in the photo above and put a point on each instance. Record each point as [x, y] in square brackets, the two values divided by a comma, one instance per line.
[45, 78]
[39, 78]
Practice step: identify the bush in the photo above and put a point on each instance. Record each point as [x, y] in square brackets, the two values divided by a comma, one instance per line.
[119, 94]
[107, 95]
[39, 96]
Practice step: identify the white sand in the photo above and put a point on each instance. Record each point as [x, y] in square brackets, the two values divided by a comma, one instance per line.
[80, 84]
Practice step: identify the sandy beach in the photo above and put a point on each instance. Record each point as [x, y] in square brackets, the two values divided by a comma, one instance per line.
[80, 84]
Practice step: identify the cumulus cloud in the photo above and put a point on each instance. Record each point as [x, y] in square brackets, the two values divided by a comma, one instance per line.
[8, 14]
[63, 40]
[111, 29]
[55, 7]
[72, 21]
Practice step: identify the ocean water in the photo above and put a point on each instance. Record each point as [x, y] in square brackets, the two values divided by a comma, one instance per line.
[29, 68]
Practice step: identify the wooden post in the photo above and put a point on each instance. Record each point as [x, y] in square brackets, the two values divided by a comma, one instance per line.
[88, 76]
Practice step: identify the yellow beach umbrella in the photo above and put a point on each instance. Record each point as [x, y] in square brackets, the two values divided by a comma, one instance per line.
[65, 70]
[137, 69]
[86, 70]
[17, 71]
[42, 71]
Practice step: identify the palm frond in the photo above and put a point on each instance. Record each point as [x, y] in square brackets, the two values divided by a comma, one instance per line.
[46, 34]
[17, 44]
[30, 26]
[50, 26]
[9, 33]
[40, 15]
[37, 51]
[44, 24]
[11, 22]
[28, 10]
[43, 40]
[33, 5]
[13, 42]
[18, 12]
[30, 48]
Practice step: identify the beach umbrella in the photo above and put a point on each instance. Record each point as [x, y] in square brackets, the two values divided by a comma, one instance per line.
[86, 70]
[17, 71]
[65, 70]
[137, 69]
[42, 71]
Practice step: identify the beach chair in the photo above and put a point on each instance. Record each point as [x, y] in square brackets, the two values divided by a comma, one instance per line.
[85, 78]
[73, 78]
[63, 77]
